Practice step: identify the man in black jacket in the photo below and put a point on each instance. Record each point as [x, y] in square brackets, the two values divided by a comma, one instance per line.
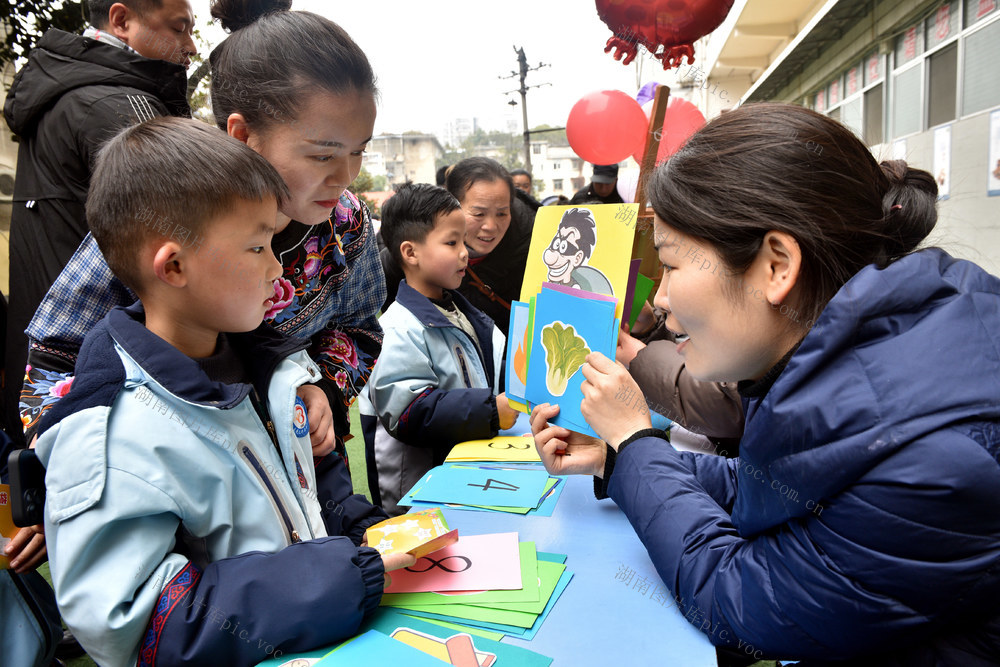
[602, 188]
[74, 93]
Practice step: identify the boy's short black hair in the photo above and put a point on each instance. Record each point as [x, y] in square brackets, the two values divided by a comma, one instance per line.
[410, 214]
[166, 179]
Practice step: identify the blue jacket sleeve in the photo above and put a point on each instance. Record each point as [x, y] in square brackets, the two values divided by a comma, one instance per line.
[344, 512]
[245, 609]
[441, 418]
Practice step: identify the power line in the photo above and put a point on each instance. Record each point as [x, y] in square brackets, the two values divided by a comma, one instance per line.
[522, 73]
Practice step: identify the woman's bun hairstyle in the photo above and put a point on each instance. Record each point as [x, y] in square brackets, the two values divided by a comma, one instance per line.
[909, 205]
[236, 14]
[276, 60]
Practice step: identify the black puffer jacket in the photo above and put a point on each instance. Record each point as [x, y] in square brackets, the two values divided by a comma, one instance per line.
[72, 96]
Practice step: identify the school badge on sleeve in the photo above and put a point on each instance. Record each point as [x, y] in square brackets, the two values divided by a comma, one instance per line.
[300, 421]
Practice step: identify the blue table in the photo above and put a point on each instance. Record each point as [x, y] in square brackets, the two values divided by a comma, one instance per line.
[616, 609]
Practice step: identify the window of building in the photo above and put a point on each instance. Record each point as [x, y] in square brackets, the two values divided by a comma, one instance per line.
[557, 184]
[853, 81]
[873, 68]
[835, 92]
[906, 101]
[980, 69]
[556, 165]
[536, 149]
[942, 86]
[909, 45]
[850, 115]
[874, 120]
[944, 24]
[977, 10]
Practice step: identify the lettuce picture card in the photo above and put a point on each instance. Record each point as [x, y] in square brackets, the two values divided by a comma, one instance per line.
[567, 328]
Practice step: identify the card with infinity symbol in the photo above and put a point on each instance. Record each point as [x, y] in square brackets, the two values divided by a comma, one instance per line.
[474, 563]
[478, 485]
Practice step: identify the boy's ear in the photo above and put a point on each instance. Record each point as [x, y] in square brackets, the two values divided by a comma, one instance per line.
[168, 265]
[236, 127]
[408, 251]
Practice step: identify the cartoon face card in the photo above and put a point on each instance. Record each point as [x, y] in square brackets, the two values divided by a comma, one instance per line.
[581, 247]
[567, 328]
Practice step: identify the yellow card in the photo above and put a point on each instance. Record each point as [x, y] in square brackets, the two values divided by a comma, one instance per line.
[587, 247]
[7, 527]
[502, 448]
[418, 533]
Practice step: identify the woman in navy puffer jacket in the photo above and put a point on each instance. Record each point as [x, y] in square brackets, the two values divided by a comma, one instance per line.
[861, 523]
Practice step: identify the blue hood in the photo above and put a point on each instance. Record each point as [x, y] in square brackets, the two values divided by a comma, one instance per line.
[856, 382]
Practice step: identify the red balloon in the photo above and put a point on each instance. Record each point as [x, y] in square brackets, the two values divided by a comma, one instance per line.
[680, 121]
[672, 24]
[605, 127]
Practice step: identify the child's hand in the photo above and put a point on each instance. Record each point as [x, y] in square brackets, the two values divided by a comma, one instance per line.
[612, 404]
[628, 346]
[396, 562]
[565, 452]
[508, 415]
[26, 550]
[321, 433]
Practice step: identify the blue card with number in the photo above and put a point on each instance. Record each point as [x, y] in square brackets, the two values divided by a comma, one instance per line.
[480, 486]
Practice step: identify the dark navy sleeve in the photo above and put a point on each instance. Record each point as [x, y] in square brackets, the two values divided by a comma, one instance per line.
[245, 609]
[344, 512]
[441, 418]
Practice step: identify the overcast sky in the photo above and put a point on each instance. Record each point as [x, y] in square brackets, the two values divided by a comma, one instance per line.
[439, 59]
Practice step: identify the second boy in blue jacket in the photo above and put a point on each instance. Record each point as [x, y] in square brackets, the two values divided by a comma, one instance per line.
[437, 380]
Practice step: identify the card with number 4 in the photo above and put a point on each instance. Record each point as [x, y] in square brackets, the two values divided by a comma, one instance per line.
[478, 486]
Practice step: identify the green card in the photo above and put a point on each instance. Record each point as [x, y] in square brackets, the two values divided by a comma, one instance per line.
[529, 573]
[510, 613]
[643, 286]
[548, 577]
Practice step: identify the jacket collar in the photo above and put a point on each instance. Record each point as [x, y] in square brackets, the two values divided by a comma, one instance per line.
[430, 316]
[62, 61]
[262, 350]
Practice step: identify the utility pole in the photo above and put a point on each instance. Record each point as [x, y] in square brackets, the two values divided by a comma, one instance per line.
[522, 73]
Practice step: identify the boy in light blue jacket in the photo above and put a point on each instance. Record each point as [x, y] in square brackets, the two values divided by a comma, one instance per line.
[437, 381]
[186, 522]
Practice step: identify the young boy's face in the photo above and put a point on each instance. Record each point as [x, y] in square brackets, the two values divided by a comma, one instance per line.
[441, 257]
[231, 278]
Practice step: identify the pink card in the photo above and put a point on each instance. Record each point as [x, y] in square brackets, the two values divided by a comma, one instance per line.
[474, 563]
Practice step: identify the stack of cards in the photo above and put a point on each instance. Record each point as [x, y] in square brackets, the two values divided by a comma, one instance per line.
[492, 488]
[489, 581]
[454, 606]
[578, 281]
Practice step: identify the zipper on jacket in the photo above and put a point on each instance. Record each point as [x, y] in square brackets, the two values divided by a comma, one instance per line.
[265, 417]
[293, 534]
